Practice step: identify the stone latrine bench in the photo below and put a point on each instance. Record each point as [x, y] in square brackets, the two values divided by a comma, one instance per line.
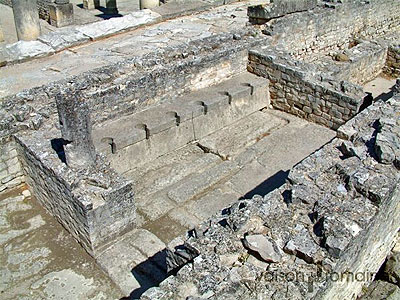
[83, 191]
[138, 138]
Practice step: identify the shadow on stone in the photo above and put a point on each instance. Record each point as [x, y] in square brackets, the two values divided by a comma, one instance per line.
[106, 14]
[268, 185]
[58, 146]
[384, 96]
[149, 273]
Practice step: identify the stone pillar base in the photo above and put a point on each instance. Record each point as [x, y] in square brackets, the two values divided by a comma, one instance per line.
[111, 7]
[61, 14]
[91, 4]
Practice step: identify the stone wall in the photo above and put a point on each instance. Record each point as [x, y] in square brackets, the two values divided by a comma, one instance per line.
[366, 62]
[44, 11]
[325, 29]
[95, 205]
[392, 67]
[299, 89]
[322, 235]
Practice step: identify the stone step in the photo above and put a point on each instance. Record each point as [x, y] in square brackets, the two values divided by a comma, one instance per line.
[234, 139]
[199, 183]
[141, 137]
[169, 169]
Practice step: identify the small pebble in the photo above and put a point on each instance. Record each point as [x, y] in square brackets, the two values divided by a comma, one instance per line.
[26, 193]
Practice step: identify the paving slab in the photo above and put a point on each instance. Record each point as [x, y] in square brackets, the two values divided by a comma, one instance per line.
[242, 134]
[380, 87]
[185, 218]
[199, 183]
[169, 169]
[24, 50]
[63, 38]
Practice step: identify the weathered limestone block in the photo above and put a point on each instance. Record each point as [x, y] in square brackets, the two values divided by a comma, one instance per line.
[24, 50]
[382, 290]
[76, 128]
[61, 14]
[95, 205]
[91, 4]
[149, 3]
[26, 19]
[264, 246]
[62, 39]
[278, 9]
[114, 25]
[387, 144]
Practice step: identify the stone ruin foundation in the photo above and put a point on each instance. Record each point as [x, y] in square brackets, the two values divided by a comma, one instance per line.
[236, 159]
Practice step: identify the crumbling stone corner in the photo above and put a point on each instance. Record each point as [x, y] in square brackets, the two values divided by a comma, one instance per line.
[74, 116]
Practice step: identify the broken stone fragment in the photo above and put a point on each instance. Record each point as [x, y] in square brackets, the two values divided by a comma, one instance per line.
[341, 57]
[302, 245]
[392, 268]
[179, 253]
[264, 246]
[348, 149]
[336, 246]
[382, 290]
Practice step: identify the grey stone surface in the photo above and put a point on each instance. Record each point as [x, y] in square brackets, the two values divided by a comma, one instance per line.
[76, 130]
[62, 39]
[264, 246]
[61, 14]
[199, 183]
[296, 88]
[127, 263]
[87, 203]
[24, 50]
[26, 19]
[115, 25]
[279, 8]
[382, 290]
[387, 144]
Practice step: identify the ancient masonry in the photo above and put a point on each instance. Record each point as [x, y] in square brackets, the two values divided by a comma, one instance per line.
[248, 151]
